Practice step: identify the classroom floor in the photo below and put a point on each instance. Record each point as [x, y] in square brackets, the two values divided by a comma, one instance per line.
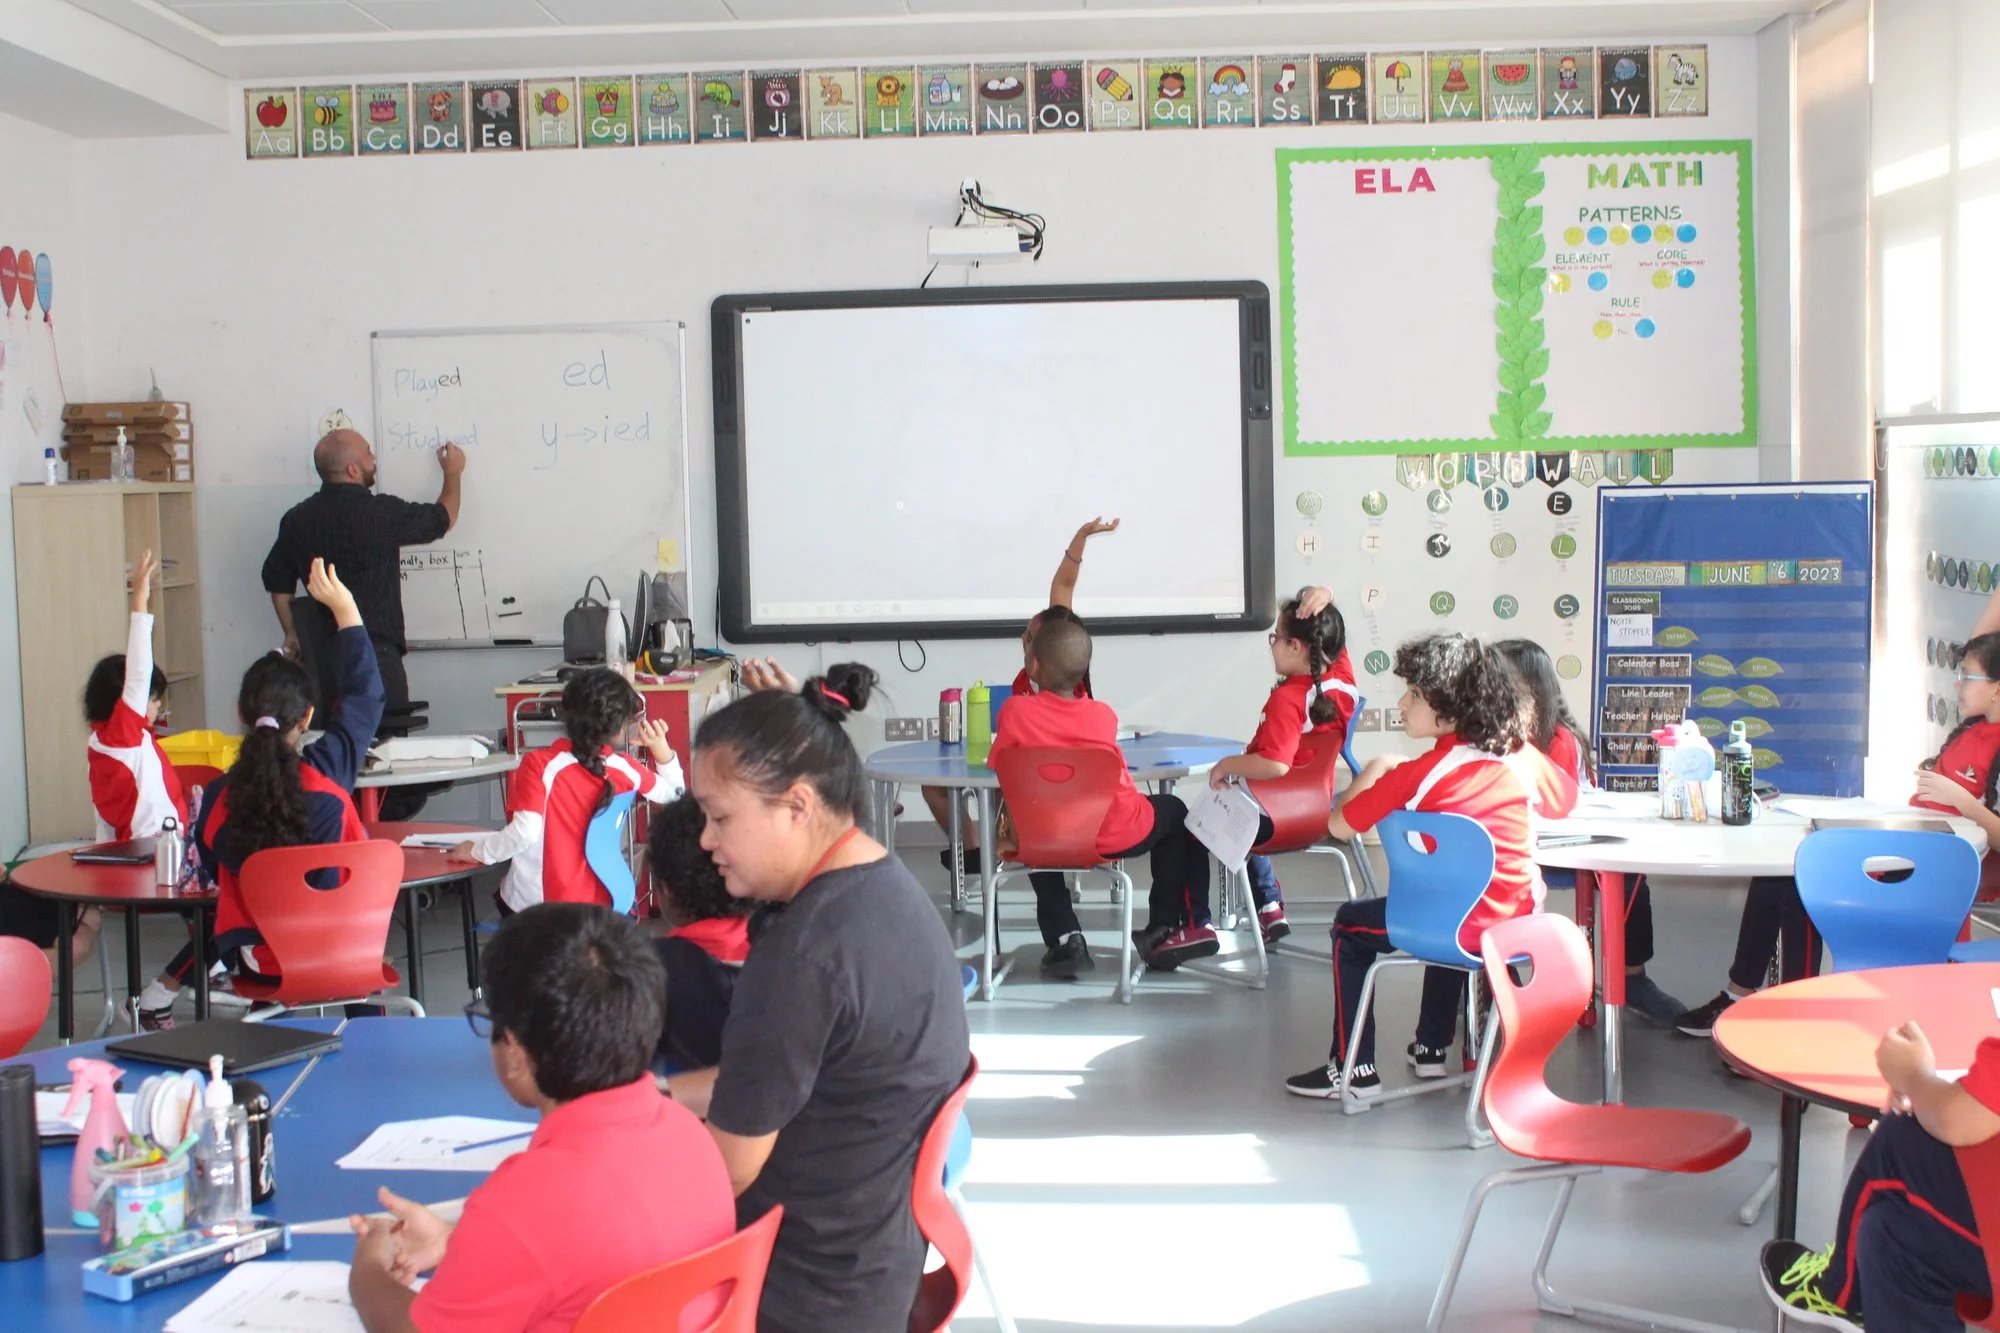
[1141, 1167]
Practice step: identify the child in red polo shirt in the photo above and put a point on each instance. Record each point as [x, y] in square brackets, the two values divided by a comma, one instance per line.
[1315, 696]
[1557, 734]
[1906, 1242]
[1053, 715]
[707, 939]
[1463, 696]
[560, 788]
[1959, 780]
[1062, 595]
[616, 1179]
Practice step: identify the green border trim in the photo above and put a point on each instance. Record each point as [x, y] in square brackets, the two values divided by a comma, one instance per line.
[1746, 244]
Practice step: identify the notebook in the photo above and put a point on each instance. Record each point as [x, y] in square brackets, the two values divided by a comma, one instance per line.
[132, 852]
[1911, 823]
[244, 1047]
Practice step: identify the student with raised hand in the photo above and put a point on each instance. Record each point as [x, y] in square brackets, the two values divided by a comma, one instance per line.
[847, 1028]
[1559, 736]
[1062, 598]
[133, 786]
[560, 788]
[1315, 696]
[1177, 929]
[615, 1180]
[277, 794]
[1906, 1242]
[707, 939]
[1463, 697]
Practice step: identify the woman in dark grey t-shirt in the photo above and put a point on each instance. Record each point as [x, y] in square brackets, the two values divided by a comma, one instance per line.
[847, 1030]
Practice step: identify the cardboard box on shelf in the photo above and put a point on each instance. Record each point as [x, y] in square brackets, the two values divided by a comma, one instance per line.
[125, 414]
[76, 430]
[150, 462]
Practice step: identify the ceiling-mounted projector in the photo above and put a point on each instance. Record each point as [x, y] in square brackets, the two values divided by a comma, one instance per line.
[981, 244]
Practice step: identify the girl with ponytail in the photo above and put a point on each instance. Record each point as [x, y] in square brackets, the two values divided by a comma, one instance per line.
[846, 1029]
[1557, 734]
[1464, 698]
[275, 794]
[558, 790]
[1315, 696]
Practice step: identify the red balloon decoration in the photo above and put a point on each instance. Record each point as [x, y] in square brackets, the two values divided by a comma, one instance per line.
[24, 280]
[7, 278]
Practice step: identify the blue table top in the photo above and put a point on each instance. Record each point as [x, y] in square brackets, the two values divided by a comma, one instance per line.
[1152, 757]
[386, 1069]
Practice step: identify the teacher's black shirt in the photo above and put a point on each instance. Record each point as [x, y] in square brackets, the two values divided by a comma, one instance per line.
[361, 535]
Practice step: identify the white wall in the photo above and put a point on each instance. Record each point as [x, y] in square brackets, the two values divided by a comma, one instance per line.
[253, 287]
[38, 211]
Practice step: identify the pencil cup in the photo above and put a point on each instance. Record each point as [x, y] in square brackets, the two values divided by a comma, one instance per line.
[140, 1203]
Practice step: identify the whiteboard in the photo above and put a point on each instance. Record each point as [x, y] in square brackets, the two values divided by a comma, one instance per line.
[575, 465]
[960, 443]
[1940, 484]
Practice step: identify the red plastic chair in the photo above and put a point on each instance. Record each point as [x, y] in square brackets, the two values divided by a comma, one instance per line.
[1569, 1139]
[1298, 804]
[657, 1298]
[328, 942]
[24, 993]
[1980, 1164]
[1058, 799]
[196, 775]
[943, 1288]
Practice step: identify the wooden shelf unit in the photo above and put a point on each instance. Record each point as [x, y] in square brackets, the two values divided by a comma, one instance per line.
[72, 547]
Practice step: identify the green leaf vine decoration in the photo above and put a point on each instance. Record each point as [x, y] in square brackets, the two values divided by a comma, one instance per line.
[1518, 278]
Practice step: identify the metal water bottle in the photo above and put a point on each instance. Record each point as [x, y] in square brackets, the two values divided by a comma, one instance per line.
[169, 854]
[1739, 771]
[951, 716]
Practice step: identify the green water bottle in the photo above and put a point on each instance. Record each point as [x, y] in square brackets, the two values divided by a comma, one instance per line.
[978, 723]
[1739, 768]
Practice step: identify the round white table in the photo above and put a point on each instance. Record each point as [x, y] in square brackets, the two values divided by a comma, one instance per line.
[1161, 758]
[1630, 838]
[410, 772]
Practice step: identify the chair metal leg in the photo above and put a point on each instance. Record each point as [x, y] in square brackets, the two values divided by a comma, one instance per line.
[1364, 867]
[1604, 1312]
[104, 977]
[1127, 979]
[1349, 1103]
[1753, 1207]
[1353, 1105]
[979, 1272]
[1232, 883]
[1476, 1132]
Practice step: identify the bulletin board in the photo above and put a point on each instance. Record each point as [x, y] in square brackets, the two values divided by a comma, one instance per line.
[1737, 603]
[1517, 296]
[1940, 563]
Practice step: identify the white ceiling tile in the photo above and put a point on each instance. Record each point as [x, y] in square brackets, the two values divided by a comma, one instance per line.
[993, 8]
[456, 15]
[583, 13]
[296, 18]
[767, 11]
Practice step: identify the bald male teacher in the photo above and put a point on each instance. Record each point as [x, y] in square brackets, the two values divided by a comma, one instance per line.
[361, 534]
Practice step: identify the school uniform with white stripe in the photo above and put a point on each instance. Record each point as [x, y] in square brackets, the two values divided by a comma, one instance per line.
[551, 800]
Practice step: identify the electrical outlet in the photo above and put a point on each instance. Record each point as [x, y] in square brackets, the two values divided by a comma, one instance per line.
[903, 728]
[930, 729]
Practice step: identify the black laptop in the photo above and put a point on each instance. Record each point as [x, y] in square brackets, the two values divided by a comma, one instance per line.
[244, 1047]
[131, 852]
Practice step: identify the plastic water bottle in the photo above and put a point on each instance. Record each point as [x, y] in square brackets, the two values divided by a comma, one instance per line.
[52, 468]
[123, 467]
[978, 723]
[614, 636]
[1739, 772]
[221, 1153]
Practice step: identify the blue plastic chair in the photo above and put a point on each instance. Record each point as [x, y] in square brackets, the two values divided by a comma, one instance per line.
[604, 851]
[1869, 922]
[1439, 866]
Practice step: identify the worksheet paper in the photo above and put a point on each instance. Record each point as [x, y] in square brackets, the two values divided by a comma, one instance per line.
[49, 1119]
[431, 1145]
[1224, 819]
[442, 842]
[273, 1296]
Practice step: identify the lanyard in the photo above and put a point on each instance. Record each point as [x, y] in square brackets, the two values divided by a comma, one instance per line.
[827, 855]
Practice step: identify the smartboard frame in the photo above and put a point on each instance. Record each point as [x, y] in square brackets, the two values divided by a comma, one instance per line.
[1254, 369]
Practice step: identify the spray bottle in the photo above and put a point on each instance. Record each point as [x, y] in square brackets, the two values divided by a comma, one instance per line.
[97, 1081]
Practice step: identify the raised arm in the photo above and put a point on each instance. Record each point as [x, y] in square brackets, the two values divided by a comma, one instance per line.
[451, 460]
[137, 690]
[1062, 588]
[1989, 619]
[339, 752]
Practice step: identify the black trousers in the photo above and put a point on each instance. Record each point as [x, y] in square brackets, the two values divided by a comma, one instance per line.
[1180, 876]
[1360, 935]
[1772, 915]
[1906, 1243]
[398, 802]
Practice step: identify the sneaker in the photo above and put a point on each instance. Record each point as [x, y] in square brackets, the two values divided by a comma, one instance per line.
[1700, 1022]
[970, 860]
[1644, 995]
[1181, 945]
[1792, 1279]
[156, 1020]
[1323, 1082]
[1066, 960]
[222, 993]
[1147, 940]
[1271, 920]
[1429, 1061]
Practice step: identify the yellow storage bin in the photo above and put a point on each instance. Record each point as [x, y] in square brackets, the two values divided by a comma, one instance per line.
[211, 748]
